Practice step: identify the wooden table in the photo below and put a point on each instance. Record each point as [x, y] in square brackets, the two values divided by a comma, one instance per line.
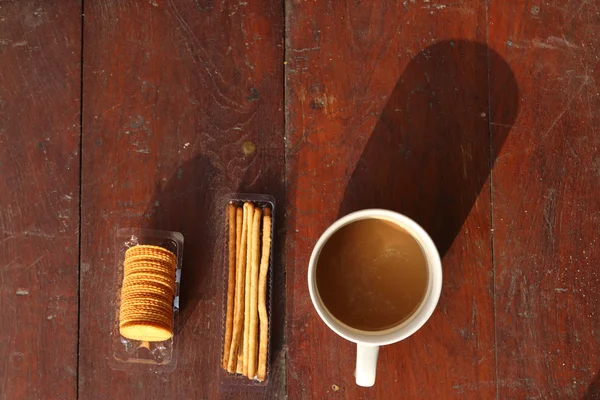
[478, 119]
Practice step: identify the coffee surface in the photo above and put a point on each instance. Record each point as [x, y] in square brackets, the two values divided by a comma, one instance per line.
[371, 274]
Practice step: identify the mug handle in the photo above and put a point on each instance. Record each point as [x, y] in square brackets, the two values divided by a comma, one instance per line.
[366, 364]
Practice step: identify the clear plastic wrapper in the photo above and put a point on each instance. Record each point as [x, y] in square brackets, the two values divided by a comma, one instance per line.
[226, 379]
[131, 355]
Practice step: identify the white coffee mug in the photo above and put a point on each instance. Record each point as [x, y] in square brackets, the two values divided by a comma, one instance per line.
[368, 342]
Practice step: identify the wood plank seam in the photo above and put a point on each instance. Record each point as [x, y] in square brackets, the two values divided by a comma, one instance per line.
[80, 194]
[491, 193]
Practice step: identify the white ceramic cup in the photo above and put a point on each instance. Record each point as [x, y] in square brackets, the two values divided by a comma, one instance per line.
[368, 342]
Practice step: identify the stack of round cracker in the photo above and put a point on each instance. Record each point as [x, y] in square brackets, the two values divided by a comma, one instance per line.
[147, 293]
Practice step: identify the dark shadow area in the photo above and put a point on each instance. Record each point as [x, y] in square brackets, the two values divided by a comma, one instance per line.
[193, 202]
[429, 154]
[593, 392]
[187, 204]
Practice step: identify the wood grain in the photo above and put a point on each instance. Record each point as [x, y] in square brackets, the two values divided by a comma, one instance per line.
[402, 105]
[39, 198]
[546, 202]
[183, 104]
[388, 107]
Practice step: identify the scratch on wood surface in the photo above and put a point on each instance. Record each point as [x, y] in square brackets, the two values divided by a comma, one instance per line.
[549, 212]
[141, 148]
[70, 370]
[565, 109]
[476, 386]
[579, 11]
[553, 43]
[194, 49]
[317, 48]
[550, 43]
[575, 154]
[14, 235]
[512, 291]
[561, 41]
[458, 6]
[474, 313]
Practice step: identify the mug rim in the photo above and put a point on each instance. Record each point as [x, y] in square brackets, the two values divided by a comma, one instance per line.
[418, 318]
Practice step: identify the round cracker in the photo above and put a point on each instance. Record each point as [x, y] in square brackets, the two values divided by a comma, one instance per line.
[150, 258]
[149, 266]
[139, 313]
[123, 319]
[164, 261]
[141, 286]
[141, 290]
[144, 301]
[154, 316]
[144, 252]
[130, 295]
[152, 297]
[148, 332]
[146, 296]
[148, 248]
[136, 305]
[167, 321]
[139, 269]
[156, 323]
[142, 277]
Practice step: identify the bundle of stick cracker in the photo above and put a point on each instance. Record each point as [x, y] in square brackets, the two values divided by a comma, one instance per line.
[247, 325]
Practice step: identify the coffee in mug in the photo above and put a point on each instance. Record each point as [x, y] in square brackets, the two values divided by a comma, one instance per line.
[374, 277]
[371, 274]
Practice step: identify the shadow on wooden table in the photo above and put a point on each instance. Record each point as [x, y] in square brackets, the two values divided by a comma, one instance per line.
[429, 154]
[193, 202]
[187, 204]
[593, 391]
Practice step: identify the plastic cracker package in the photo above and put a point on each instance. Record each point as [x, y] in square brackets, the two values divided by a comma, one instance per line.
[246, 294]
[148, 264]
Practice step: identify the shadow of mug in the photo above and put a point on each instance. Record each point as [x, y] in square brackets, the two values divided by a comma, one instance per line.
[430, 153]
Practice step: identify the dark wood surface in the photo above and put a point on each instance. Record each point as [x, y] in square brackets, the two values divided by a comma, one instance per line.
[172, 92]
[40, 76]
[546, 191]
[388, 108]
[477, 119]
